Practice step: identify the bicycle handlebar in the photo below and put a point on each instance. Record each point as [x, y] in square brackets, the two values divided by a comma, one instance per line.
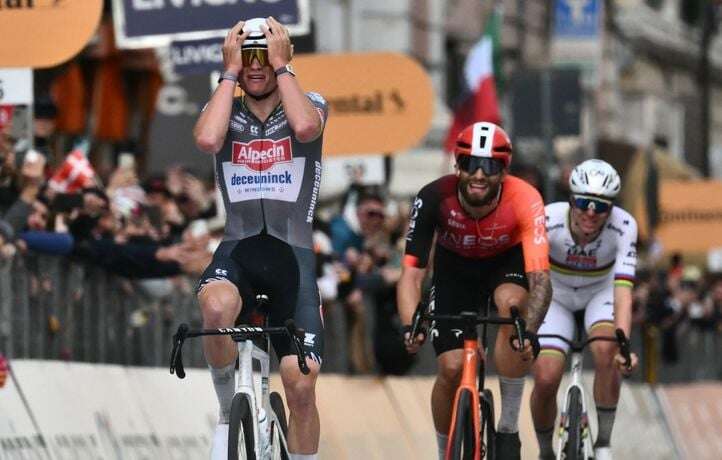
[470, 318]
[295, 334]
[620, 338]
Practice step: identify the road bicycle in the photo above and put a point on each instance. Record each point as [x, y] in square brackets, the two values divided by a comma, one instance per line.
[472, 434]
[575, 437]
[257, 427]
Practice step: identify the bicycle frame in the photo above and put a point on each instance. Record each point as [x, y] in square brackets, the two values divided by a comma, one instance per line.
[473, 371]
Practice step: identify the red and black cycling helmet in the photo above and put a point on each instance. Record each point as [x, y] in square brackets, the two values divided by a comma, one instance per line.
[485, 140]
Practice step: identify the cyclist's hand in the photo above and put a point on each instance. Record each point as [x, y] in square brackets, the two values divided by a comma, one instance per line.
[232, 60]
[412, 346]
[531, 346]
[623, 368]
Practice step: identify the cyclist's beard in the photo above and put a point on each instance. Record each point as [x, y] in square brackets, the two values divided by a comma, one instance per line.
[474, 200]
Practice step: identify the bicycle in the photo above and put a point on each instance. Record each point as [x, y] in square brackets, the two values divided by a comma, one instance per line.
[575, 437]
[472, 417]
[252, 400]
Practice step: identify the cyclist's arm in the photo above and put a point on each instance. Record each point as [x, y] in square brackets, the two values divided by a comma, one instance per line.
[624, 272]
[535, 244]
[408, 292]
[306, 117]
[212, 125]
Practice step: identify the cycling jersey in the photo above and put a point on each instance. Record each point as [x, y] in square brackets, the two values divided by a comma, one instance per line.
[517, 218]
[269, 180]
[612, 256]
[583, 277]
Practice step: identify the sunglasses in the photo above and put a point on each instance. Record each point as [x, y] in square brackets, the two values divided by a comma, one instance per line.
[585, 203]
[469, 164]
[376, 214]
[249, 54]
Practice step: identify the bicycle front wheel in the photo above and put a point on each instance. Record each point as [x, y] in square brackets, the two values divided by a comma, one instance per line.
[462, 443]
[573, 449]
[278, 449]
[241, 445]
[488, 432]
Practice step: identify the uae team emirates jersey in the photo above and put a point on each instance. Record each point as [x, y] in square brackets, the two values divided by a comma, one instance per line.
[517, 218]
[269, 180]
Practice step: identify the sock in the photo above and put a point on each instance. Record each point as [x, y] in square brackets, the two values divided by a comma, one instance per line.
[545, 439]
[441, 441]
[224, 381]
[303, 456]
[511, 391]
[605, 419]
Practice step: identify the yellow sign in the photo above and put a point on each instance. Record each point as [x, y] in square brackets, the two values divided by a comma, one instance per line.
[44, 33]
[690, 215]
[378, 102]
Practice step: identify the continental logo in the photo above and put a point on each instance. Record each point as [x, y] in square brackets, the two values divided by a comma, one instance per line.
[16, 5]
[378, 102]
[691, 216]
[261, 154]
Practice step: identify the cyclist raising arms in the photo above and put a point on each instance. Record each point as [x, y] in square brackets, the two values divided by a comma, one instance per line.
[490, 243]
[267, 148]
[593, 259]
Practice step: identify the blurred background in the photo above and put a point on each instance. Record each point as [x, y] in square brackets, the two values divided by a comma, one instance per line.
[108, 212]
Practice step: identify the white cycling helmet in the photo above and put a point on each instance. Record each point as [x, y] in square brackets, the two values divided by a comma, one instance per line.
[255, 38]
[595, 177]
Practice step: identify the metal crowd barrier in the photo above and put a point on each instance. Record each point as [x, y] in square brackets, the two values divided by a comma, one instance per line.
[56, 308]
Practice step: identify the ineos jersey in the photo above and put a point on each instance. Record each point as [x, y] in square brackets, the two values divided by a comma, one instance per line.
[611, 257]
[518, 218]
[269, 180]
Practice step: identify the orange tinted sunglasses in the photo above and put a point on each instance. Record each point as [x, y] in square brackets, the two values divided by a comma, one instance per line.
[249, 54]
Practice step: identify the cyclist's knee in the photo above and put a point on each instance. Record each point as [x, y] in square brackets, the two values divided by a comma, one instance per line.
[547, 377]
[220, 304]
[450, 366]
[603, 354]
[300, 389]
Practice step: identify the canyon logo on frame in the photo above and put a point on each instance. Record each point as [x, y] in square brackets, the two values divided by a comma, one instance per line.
[44, 33]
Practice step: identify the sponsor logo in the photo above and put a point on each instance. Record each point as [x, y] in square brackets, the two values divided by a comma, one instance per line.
[377, 102]
[309, 339]
[514, 275]
[632, 254]
[455, 224]
[254, 130]
[261, 154]
[613, 228]
[539, 227]
[267, 178]
[555, 227]
[418, 204]
[467, 241]
[315, 97]
[221, 272]
[581, 261]
[314, 192]
[275, 127]
[457, 332]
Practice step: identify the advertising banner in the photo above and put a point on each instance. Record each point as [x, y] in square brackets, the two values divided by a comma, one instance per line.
[44, 33]
[18, 436]
[690, 216]
[153, 23]
[577, 31]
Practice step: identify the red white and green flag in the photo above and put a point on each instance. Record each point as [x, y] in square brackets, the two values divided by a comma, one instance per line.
[478, 100]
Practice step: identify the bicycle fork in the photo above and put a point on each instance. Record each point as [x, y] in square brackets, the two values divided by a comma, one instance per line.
[575, 382]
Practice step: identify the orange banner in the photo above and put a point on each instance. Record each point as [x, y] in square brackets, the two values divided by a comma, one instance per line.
[44, 33]
[690, 215]
[378, 102]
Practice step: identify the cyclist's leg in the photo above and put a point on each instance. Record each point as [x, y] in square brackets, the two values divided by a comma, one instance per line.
[547, 371]
[220, 302]
[599, 321]
[302, 301]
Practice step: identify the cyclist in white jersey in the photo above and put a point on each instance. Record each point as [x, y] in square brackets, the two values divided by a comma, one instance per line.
[593, 257]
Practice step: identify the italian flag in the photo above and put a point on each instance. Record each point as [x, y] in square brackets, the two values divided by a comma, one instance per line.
[478, 102]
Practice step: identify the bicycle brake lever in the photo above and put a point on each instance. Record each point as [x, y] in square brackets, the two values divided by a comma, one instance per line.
[416, 328]
[298, 336]
[624, 348]
[520, 326]
[176, 356]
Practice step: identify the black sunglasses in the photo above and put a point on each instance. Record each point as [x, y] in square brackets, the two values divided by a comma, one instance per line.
[469, 164]
[598, 205]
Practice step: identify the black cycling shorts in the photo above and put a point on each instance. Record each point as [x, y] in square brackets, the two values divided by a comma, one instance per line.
[463, 284]
[263, 264]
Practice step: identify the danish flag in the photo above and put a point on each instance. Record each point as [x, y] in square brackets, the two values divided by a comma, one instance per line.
[75, 173]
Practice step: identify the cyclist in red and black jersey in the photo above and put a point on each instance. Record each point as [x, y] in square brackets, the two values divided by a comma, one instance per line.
[490, 242]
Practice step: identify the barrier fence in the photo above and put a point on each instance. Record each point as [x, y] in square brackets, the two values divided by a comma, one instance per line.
[59, 308]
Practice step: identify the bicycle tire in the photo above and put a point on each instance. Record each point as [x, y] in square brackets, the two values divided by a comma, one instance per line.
[279, 409]
[488, 431]
[573, 449]
[240, 429]
[462, 446]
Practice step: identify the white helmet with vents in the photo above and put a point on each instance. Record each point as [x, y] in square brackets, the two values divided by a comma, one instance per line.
[595, 177]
